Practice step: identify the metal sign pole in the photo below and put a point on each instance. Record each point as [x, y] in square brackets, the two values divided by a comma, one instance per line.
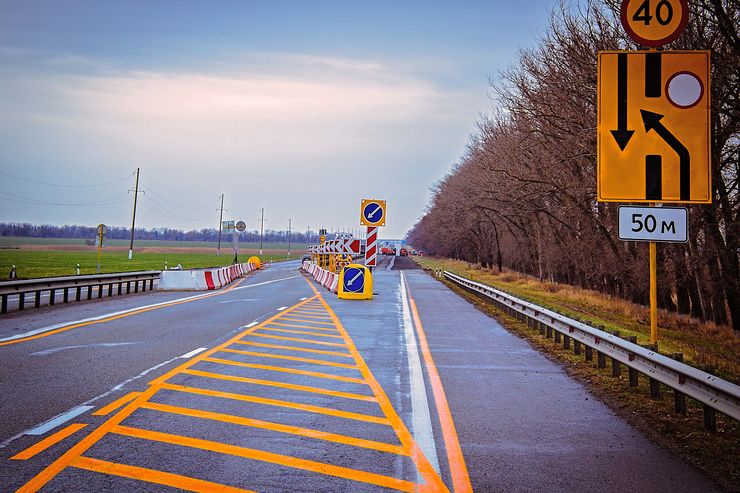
[653, 294]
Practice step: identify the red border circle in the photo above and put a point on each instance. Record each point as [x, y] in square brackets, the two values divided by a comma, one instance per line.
[654, 43]
[668, 95]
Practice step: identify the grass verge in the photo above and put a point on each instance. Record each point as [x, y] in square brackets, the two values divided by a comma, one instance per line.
[715, 454]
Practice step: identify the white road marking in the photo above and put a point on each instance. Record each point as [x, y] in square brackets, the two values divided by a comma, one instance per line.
[239, 300]
[303, 299]
[100, 317]
[282, 308]
[193, 352]
[59, 420]
[266, 282]
[249, 325]
[47, 352]
[421, 420]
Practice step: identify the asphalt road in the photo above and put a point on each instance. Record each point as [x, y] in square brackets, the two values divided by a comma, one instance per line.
[276, 385]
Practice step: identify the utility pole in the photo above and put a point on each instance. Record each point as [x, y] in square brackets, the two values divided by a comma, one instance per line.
[220, 225]
[289, 226]
[262, 228]
[133, 220]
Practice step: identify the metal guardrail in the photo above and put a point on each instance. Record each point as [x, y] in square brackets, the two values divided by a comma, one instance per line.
[713, 392]
[77, 283]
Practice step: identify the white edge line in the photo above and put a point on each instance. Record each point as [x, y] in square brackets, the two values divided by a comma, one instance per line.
[421, 419]
[249, 325]
[282, 308]
[303, 299]
[58, 420]
[193, 352]
[266, 282]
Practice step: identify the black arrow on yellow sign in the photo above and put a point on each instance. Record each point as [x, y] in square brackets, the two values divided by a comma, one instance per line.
[652, 122]
[622, 136]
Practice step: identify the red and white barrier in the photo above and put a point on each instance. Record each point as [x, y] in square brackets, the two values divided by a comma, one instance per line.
[327, 279]
[202, 279]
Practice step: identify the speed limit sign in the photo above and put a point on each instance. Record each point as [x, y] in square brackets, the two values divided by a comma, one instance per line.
[654, 23]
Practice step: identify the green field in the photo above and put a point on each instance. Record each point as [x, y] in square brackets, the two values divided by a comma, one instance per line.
[51, 263]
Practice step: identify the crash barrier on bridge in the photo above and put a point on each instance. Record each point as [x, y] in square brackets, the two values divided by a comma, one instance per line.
[202, 279]
[712, 392]
[324, 277]
[133, 281]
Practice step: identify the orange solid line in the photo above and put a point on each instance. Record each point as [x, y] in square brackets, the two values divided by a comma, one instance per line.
[104, 411]
[260, 455]
[291, 358]
[283, 369]
[278, 403]
[42, 478]
[153, 476]
[278, 427]
[116, 317]
[282, 385]
[291, 348]
[433, 482]
[299, 314]
[297, 339]
[305, 321]
[48, 442]
[304, 332]
[458, 469]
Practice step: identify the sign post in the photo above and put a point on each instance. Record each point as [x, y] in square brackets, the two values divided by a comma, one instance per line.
[372, 215]
[653, 129]
[102, 230]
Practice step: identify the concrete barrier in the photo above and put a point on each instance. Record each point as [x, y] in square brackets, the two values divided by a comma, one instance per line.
[202, 279]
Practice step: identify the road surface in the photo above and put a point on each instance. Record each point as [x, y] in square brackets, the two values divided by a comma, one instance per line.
[273, 384]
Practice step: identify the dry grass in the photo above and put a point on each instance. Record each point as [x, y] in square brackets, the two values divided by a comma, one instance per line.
[703, 345]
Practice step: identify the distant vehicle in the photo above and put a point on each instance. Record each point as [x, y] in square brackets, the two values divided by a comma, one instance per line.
[386, 250]
[404, 252]
[414, 252]
[306, 258]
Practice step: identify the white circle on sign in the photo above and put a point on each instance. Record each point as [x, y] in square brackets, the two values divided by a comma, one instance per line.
[684, 90]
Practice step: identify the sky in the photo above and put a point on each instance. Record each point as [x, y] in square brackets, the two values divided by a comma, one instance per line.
[302, 108]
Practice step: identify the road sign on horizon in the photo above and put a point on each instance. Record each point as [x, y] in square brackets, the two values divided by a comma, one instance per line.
[372, 213]
[654, 23]
[666, 224]
[653, 127]
[227, 225]
[241, 226]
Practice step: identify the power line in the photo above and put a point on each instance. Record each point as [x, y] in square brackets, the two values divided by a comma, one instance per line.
[161, 197]
[63, 186]
[28, 200]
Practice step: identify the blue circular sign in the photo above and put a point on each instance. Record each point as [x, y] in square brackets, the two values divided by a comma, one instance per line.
[354, 280]
[372, 212]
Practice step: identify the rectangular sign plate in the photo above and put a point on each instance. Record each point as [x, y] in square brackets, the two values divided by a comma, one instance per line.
[669, 224]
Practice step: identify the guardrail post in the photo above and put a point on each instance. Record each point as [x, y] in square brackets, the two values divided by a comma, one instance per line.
[21, 300]
[542, 328]
[136, 286]
[679, 397]
[37, 298]
[100, 291]
[557, 337]
[52, 294]
[120, 287]
[600, 359]
[65, 296]
[633, 374]
[576, 347]
[549, 332]
[151, 284]
[89, 292]
[589, 353]
[4, 308]
[110, 290]
[710, 415]
[566, 342]
[616, 366]
[128, 287]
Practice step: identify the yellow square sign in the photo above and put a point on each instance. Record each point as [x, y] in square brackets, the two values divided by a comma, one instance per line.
[653, 127]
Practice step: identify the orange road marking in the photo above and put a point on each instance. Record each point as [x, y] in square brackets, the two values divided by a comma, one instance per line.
[297, 339]
[266, 425]
[458, 469]
[432, 480]
[328, 329]
[291, 358]
[48, 442]
[38, 481]
[104, 411]
[291, 348]
[305, 332]
[282, 460]
[282, 385]
[283, 369]
[278, 403]
[299, 314]
[152, 476]
[116, 317]
[295, 319]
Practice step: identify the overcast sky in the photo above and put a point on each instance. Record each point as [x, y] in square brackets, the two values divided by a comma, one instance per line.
[303, 108]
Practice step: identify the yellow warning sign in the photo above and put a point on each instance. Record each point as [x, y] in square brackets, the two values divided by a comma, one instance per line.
[653, 127]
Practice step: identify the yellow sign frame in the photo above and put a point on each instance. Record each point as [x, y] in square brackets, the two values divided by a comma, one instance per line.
[380, 221]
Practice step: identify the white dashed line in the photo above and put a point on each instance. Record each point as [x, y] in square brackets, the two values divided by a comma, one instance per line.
[61, 419]
[249, 325]
[193, 352]
[282, 308]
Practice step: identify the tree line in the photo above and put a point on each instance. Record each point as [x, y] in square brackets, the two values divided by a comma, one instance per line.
[523, 193]
[168, 234]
